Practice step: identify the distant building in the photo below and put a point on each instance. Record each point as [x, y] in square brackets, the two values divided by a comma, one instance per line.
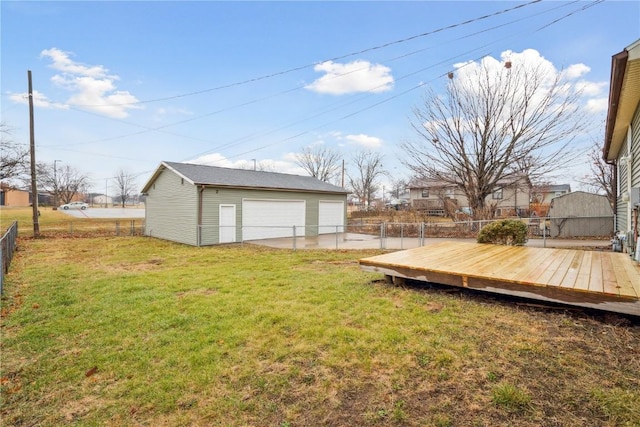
[101, 200]
[10, 196]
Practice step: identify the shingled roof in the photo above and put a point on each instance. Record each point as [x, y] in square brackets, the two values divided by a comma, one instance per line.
[242, 178]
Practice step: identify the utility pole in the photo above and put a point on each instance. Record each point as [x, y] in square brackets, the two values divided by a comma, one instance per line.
[32, 149]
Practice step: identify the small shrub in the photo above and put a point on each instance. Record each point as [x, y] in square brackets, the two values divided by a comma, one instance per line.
[510, 232]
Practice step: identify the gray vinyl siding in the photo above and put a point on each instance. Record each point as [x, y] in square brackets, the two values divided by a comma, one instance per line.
[622, 222]
[171, 209]
[635, 149]
[214, 197]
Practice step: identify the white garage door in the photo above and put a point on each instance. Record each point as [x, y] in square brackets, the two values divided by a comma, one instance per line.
[266, 219]
[331, 217]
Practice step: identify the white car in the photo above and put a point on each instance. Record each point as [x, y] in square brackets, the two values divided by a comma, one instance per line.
[75, 205]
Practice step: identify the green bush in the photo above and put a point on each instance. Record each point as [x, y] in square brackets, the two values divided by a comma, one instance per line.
[509, 232]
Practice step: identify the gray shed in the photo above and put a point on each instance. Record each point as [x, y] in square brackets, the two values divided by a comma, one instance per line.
[207, 205]
[580, 214]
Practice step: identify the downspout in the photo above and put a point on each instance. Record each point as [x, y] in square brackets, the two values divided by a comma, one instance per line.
[200, 208]
[613, 163]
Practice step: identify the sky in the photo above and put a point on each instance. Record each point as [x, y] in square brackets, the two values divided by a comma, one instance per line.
[125, 85]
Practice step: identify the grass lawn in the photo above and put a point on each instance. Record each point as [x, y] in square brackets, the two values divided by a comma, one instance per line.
[137, 331]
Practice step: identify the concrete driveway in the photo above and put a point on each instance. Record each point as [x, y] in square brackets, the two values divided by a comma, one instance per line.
[365, 241]
[115, 213]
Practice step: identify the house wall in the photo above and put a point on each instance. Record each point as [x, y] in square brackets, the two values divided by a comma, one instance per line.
[214, 197]
[512, 197]
[11, 197]
[435, 197]
[628, 175]
[171, 209]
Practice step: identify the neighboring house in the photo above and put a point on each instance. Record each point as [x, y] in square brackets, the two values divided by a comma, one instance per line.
[541, 196]
[436, 198]
[441, 198]
[10, 196]
[207, 205]
[580, 214]
[101, 200]
[622, 143]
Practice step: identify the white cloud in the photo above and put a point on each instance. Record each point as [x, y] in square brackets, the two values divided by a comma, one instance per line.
[570, 79]
[214, 159]
[576, 70]
[283, 166]
[591, 88]
[62, 62]
[364, 140]
[597, 105]
[92, 87]
[353, 77]
[40, 100]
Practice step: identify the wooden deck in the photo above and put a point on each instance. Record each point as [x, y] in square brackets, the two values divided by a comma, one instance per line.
[602, 280]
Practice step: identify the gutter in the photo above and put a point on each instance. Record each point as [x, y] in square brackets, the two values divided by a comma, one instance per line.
[618, 68]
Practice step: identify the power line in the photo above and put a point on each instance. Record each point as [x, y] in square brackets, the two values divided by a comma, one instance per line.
[363, 109]
[299, 87]
[388, 98]
[337, 58]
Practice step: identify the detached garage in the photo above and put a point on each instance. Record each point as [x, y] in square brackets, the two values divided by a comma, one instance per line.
[206, 205]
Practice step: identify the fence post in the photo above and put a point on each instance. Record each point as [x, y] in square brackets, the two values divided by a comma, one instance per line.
[336, 237]
[294, 238]
[422, 234]
[2, 265]
[381, 235]
[117, 228]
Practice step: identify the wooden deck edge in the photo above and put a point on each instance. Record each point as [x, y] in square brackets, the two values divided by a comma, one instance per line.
[558, 295]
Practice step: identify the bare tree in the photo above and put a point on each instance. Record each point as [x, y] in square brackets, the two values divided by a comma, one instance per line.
[602, 178]
[63, 183]
[14, 157]
[398, 187]
[124, 185]
[320, 162]
[496, 124]
[363, 178]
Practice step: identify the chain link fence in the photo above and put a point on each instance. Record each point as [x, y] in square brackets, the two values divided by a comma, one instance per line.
[369, 234]
[80, 228]
[8, 245]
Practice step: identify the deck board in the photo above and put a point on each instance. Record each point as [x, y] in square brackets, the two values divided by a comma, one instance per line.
[603, 280]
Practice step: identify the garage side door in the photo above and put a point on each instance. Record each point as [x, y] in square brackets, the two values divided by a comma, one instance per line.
[330, 215]
[267, 219]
